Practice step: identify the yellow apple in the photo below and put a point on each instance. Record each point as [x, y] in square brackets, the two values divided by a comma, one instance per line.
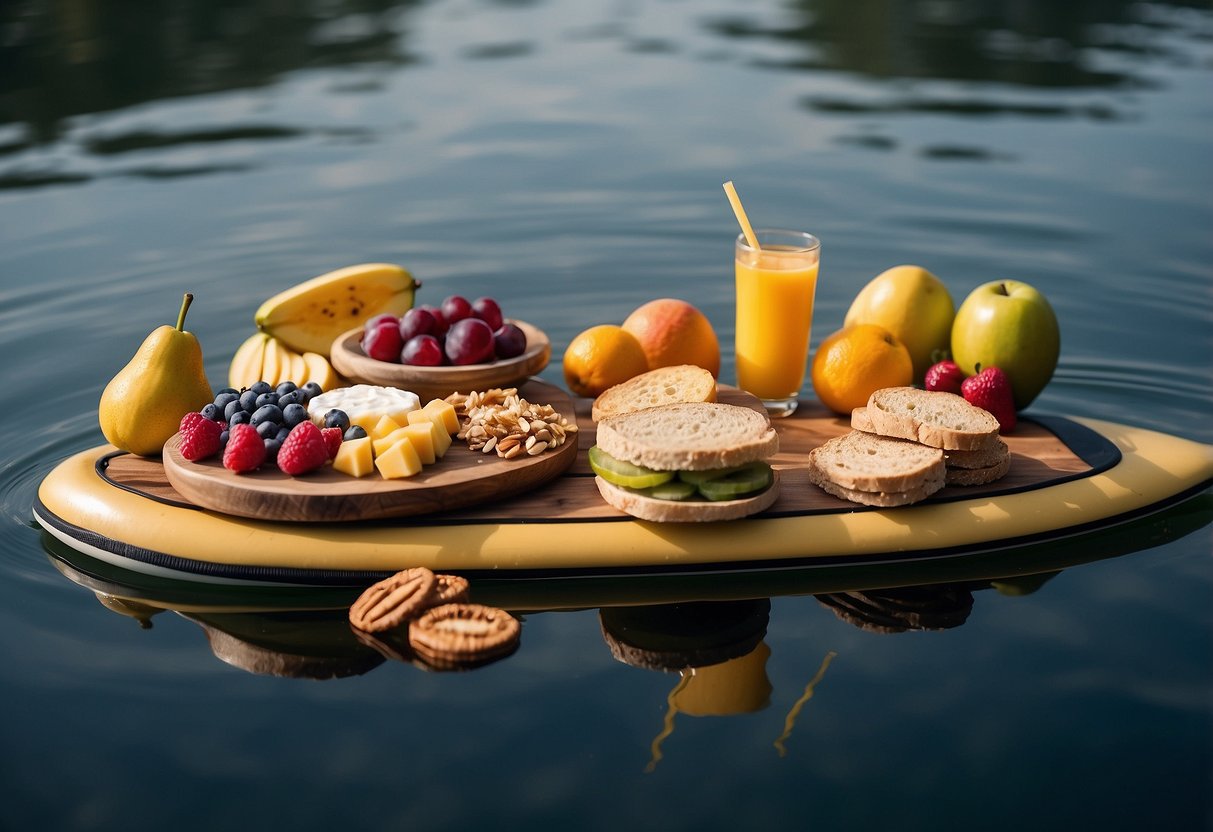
[914, 306]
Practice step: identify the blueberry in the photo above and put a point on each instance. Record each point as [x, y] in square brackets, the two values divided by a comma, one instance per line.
[337, 419]
[260, 387]
[271, 448]
[312, 390]
[354, 432]
[282, 434]
[293, 414]
[223, 398]
[223, 440]
[267, 413]
[232, 409]
[212, 412]
[227, 390]
[267, 430]
[240, 417]
[286, 387]
[291, 397]
[264, 399]
[248, 399]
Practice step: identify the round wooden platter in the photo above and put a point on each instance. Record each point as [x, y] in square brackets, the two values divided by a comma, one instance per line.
[460, 478]
[438, 382]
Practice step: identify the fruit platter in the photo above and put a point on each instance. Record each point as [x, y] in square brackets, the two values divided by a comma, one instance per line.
[361, 433]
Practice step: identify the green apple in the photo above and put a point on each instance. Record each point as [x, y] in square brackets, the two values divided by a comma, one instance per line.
[914, 306]
[1008, 324]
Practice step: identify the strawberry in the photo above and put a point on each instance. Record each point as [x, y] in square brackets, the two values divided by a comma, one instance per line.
[201, 439]
[946, 377]
[332, 440]
[245, 449]
[991, 390]
[303, 450]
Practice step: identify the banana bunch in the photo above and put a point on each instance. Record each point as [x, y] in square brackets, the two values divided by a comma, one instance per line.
[296, 327]
[264, 358]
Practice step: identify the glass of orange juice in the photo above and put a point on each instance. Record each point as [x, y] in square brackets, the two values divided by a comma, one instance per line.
[775, 287]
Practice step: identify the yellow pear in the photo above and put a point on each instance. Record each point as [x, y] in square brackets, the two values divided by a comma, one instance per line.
[142, 406]
[914, 306]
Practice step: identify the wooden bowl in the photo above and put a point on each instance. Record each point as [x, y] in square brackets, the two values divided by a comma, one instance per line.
[438, 382]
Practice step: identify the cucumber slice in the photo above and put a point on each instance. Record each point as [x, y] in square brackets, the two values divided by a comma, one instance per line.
[696, 477]
[626, 474]
[672, 490]
[741, 481]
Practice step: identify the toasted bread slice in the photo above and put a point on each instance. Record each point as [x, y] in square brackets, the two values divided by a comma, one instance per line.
[866, 462]
[687, 511]
[999, 454]
[941, 420]
[690, 436]
[989, 457]
[978, 476]
[884, 499]
[665, 385]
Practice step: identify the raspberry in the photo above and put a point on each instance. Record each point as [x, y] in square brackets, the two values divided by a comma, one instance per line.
[201, 439]
[245, 449]
[303, 450]
[946, 377]
[332, 440]
[191, 419]
[991, 390]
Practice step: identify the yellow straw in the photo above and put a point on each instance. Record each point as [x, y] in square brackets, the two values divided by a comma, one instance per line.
[735, 201]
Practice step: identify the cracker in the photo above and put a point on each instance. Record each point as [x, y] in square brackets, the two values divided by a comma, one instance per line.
[449, 589]
[456, 633]
[393, 600]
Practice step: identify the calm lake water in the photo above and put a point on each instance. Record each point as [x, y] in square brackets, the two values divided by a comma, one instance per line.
[567, 158]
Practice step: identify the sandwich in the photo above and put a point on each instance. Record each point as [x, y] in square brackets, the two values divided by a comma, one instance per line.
[687, 462]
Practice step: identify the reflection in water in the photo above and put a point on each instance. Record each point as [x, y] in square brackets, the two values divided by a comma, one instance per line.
[297, 645]
[1031, 44]
[65, 59]
[901, 609]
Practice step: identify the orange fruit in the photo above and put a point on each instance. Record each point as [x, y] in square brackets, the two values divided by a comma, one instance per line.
[674, 332]
[856, 361]
[601, 357]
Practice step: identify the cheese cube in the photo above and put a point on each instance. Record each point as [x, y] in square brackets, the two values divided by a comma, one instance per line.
[385, 425]
[384, 442]
[355, 458]
[444, 414]
[422, 437]
[441, 439]
[399, 461]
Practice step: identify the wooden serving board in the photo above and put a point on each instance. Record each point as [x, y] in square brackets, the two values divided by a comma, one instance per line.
[439, 382]
[461, 478]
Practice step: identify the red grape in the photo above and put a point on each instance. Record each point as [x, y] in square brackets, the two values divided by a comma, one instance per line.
[422, 351]
[371, 323]
[509, 341]
[415, 322]
[456, 308]
[383, 342]
[441, 324]
[469, 341]
[487, 310]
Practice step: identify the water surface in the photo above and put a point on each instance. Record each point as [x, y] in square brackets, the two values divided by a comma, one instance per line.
[567, 159]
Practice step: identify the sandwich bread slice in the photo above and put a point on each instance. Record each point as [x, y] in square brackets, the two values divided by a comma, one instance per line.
[687, 462]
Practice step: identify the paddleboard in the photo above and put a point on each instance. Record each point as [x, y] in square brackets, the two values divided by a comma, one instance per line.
[1068, 477]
